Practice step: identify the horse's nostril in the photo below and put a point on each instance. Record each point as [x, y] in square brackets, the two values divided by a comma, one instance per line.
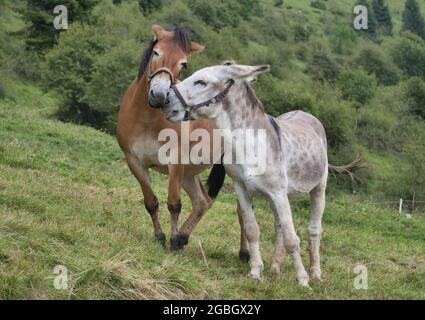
[152, 94]
[167, 101]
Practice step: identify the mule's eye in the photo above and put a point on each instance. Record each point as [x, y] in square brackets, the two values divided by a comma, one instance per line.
[156, 53]
[200, 82]
[184, 65]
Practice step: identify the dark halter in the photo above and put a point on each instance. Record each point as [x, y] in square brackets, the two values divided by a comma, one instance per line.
[161, 70]
[218, 98]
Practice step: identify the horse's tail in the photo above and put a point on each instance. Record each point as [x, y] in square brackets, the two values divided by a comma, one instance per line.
[349, 168]
[215, 180]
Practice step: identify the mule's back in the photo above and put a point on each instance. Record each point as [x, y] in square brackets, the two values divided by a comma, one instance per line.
[304, 150]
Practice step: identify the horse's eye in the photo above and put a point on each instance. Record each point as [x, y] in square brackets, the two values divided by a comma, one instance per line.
[200, 82]
[184, 65]
[156, 53]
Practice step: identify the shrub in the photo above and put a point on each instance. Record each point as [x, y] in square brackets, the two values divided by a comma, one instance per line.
[322, 68]
[409, 55]
[318, 4]
[301, 33]
[112, 74]
[374, 62]
[414, 95]
[357, 85]
[68, 68]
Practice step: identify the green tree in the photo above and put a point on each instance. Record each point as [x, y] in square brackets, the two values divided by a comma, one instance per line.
[375, 62]
[357, 85]
[409, 55]
[149, 6]
[322, 68]
[382, 16]
[412, 18]
[414, 96]
[41, 34]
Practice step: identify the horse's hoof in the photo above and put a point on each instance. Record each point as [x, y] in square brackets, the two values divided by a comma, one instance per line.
[161, 238]
[244, 256]
[178, 242]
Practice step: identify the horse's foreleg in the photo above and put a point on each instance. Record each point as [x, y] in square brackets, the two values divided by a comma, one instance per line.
[175, 180]
[149, 198]
[200, 204]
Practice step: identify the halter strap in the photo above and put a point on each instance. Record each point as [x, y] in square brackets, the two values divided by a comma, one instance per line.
[161, 70]
[218, 98]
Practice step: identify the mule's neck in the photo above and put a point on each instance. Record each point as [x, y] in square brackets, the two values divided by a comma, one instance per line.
[241, 110]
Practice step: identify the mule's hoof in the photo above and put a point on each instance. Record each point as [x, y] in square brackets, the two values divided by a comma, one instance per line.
[255, 276]
[303, 281]
[178, 242]
[244, 255]
[316, 275]
[275, 269]
[161, 238]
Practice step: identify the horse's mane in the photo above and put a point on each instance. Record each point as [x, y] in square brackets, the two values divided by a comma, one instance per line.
[181, 38]
[252, 97]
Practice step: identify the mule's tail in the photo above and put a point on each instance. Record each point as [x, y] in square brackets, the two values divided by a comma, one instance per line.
[349, 168]
[215, 180]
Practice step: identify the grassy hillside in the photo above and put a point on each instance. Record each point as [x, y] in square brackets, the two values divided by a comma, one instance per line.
[67, 198]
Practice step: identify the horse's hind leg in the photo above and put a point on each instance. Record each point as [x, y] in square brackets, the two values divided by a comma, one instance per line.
[317, 196]
[149, 198]
[200, 204]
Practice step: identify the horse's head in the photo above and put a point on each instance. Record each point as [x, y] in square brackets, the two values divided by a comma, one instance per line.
[164, 59]
[201, 95]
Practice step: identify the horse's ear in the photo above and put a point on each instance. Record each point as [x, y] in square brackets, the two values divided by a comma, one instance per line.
[196, 47]
[248, 73]
[158, 32]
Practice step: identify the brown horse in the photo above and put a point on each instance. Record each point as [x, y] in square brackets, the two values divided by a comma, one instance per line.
[139, 126]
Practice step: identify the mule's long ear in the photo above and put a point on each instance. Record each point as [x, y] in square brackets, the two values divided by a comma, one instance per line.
[248, 73]
[158, 32]
[196, 47]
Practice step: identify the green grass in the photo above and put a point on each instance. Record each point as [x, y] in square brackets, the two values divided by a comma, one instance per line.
[67, 198]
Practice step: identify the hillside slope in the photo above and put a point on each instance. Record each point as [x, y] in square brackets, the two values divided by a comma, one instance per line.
[67, 198]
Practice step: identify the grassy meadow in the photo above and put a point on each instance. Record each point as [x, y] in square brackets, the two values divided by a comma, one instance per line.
[67, 198]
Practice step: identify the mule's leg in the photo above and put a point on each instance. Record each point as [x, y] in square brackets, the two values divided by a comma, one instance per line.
[244, 248]
[317, 197]
[175, 180]
[292, 242]
[200, 204]
[252, 231]
[279, 251]
[149, 198]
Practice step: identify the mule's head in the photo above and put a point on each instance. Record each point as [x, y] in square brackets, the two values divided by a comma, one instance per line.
[164, 59]
[197, 93]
